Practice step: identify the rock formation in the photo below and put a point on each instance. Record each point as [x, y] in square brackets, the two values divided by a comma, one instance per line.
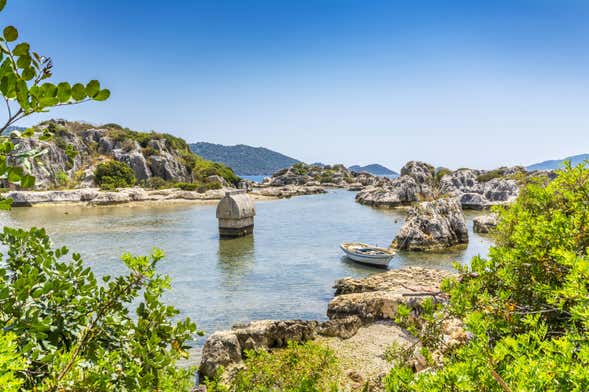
[414, 184]
[359, 328]
[474, 189]
[433, 225]
[484, 223]
[64, 154]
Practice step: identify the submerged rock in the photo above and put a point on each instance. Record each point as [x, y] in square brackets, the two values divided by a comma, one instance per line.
[433, 225]
[484, 223]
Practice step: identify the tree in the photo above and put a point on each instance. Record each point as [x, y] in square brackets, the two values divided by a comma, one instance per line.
[26, 89]
[114, 174]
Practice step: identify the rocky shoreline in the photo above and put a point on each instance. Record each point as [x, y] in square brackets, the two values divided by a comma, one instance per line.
[359, 328]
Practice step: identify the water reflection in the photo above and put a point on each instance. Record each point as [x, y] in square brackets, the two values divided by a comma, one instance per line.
[235, 258]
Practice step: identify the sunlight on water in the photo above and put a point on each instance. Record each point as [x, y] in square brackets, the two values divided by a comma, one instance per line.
[285, 270]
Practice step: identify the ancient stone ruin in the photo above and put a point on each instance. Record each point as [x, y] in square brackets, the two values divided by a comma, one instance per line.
[235, 213]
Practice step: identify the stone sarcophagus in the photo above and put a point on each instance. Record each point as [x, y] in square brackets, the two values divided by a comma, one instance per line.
[235, 213]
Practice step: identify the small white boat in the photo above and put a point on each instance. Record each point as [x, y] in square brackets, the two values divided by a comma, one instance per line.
[367, 254]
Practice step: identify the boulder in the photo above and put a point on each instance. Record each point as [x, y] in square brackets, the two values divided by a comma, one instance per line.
[433, 225]
[484, 223]
[402, 190]
[227, 348]
[422, 172]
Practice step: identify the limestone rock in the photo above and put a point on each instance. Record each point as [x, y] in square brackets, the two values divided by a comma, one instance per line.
[227, 348]
[484, 223]
[433, 225]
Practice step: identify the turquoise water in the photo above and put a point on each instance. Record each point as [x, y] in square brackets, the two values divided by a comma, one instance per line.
[285, 270]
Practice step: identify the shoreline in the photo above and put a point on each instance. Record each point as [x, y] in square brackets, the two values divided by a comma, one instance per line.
[94, 197]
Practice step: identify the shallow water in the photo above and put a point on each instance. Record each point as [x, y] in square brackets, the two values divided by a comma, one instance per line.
[285, 270]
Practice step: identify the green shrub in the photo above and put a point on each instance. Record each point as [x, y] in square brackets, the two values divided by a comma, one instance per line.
[300, 169]
[156, 183]
[301, 367]
[488, 176]
[77, 334]
[526, 306]
[62, 179]
[114, 174]
[187, 186]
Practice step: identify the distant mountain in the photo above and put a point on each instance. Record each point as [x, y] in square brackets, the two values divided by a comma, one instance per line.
[558, 163]
[375, 169]
[244, 160]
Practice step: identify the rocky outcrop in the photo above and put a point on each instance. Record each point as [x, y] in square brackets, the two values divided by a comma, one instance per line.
[287, 191]
[484, 223]
[414, 184]
[63, 154]
[335, 176]
[95, 196]
[433, 225]
[360, 321]
[227, 348]
[474, 189]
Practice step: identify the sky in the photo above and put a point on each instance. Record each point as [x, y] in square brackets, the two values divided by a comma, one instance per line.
[455, 83]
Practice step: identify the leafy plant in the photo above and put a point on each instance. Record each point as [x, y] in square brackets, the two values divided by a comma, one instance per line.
[77, 334]
[114, 174]
[309, 367]
[526, 306]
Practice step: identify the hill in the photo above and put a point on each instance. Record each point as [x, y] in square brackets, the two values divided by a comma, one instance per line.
[558, 163]
[375, 169]
[243, 159]
[64, 154]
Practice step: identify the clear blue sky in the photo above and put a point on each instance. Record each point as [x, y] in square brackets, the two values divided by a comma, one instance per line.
[455, 83]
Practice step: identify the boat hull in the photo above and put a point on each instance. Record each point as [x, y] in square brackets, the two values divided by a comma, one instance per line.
[373, 260]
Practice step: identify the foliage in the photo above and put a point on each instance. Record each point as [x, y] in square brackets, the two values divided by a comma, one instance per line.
[526, 306]
[491, 174]
[24, 81]
[203, 169]
[62, 178]
[114, 174]
[11, 362]
[300, 169]
[156, 183]
[77, 333]
[304, 367]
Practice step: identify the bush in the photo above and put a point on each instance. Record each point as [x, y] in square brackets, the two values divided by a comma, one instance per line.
[186, 186]
[299, 367]
[78, 334]
[62, 179]
[488, 176]
[527, 305]
[156, 183]
[114, 174]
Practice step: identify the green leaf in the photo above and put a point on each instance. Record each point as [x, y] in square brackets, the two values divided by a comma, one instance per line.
[78, 92]
[92, 88]
[64, 92]
[21, 49]
[28, 73]
[10, 33]
[14, 174]
[2, 4]
[49, 90]
[24, 61]
[27, 181]
[5, 204]
[102, 95]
